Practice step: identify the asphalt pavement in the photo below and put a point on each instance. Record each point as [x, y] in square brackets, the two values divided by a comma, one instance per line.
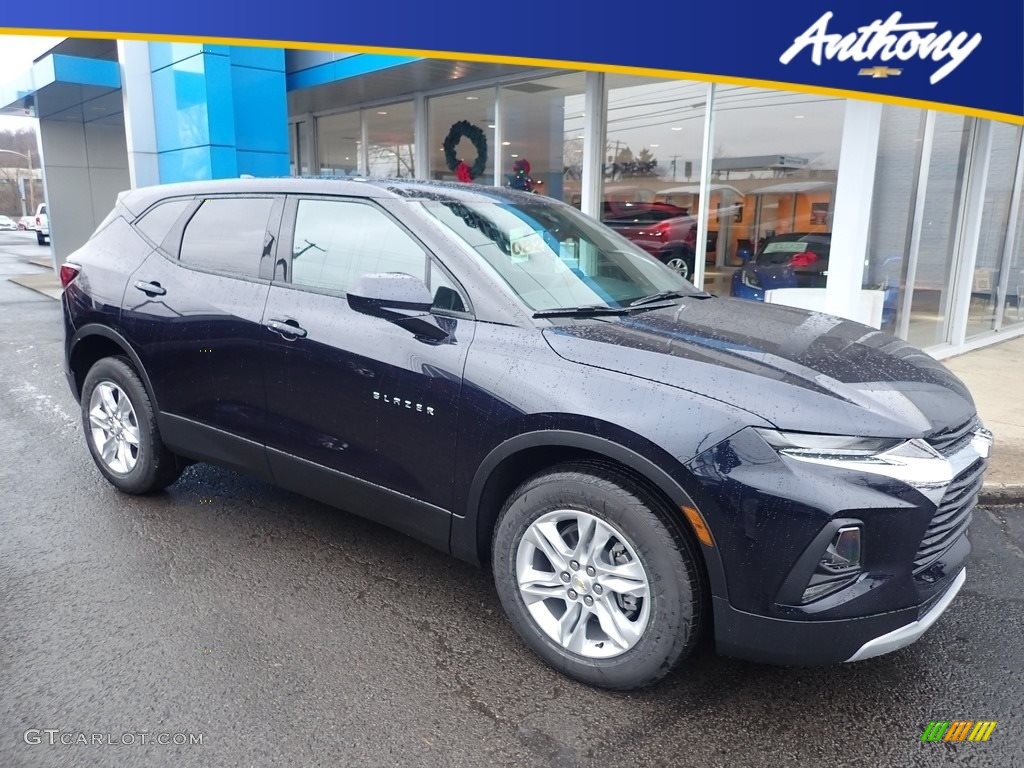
[284, 632]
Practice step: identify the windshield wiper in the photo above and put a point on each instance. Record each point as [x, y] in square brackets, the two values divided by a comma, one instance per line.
[659, 296]
[587, 311]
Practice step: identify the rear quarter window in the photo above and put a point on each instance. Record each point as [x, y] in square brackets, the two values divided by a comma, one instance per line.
[156, 223]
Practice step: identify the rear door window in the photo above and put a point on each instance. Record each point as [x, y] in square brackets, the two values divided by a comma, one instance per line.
[227, 234]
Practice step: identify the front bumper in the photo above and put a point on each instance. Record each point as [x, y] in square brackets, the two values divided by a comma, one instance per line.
[807, 643]
[909, 633]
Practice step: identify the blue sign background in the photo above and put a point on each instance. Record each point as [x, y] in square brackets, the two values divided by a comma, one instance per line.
[742, 40]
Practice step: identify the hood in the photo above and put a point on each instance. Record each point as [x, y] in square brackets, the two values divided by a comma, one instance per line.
[798, 370]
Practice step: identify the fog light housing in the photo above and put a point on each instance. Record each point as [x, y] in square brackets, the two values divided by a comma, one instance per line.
[839, 565]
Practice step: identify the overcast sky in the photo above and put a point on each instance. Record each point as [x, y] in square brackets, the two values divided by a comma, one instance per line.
[16, 55]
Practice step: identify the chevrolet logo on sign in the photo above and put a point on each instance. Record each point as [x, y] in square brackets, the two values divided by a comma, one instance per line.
[879, 71]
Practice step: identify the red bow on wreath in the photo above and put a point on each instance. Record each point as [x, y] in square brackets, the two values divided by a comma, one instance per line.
[463, 173]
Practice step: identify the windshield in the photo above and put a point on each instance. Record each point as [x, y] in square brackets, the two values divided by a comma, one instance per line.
[554, 257]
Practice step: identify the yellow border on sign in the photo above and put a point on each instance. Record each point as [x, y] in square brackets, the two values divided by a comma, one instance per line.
[669, 74]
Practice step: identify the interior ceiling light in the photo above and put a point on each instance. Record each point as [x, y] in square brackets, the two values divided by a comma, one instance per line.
[677, 127]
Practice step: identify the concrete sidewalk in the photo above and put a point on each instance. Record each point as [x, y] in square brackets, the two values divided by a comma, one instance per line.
[992, 374]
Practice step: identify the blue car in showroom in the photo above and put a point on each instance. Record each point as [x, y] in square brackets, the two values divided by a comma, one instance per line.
[639, 463]
[796, 260]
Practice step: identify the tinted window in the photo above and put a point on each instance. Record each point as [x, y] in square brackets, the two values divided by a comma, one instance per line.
[227, 235]
[336, 242]
[157, 221]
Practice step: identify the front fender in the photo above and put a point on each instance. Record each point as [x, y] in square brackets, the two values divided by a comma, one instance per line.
[471, 533]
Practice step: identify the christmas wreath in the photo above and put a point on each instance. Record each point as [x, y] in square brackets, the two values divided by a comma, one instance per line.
[463, 170]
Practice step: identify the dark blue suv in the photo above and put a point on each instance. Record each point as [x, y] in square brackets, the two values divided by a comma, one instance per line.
[498, 375]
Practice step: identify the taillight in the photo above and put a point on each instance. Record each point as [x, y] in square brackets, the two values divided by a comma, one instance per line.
[660, 229]
[68, 272]
[39, 222]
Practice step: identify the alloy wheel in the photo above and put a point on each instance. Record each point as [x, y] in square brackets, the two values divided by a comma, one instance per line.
[114, 428]
[583, 584]
[679, 266]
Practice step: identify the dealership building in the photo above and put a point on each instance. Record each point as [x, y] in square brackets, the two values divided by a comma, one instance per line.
[923, 208]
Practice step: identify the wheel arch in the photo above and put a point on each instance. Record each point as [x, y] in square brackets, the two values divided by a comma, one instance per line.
[520, 457]
[92, 343]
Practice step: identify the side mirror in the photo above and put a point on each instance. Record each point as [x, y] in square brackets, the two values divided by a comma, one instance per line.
[374, 294]
[400, 299]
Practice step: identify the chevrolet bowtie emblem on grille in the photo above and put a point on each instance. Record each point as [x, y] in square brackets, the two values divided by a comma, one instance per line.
[399, 402]
[879, 72]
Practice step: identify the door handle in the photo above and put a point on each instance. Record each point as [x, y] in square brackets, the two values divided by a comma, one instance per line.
[287, 328]
[150, 289]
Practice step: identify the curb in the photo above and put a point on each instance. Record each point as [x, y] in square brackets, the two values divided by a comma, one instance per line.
[995, 494]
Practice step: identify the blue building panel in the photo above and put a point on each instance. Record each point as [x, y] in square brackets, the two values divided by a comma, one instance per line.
[180, 105]
[165, 54]
[257, 58]
[341, 69]
[260, 109]
[263, 164]
[197, 164]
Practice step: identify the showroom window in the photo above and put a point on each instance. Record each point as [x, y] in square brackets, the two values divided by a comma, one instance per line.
[892, 211]
[773, 173]
[995, 221]
[473, 107]
[653, 141]
[298, 151]
[390, 139]
[932, 281]
[651, 169]
[542, 125]
[1013, 306]
[339, 141]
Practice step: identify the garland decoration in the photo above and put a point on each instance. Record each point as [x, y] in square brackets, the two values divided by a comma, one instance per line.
[464, 171]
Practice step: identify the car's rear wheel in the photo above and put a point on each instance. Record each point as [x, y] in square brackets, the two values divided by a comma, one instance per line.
[594, 580]
[121, 429]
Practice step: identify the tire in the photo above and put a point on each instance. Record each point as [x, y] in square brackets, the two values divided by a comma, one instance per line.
[145, 467]
[674, 604]
[681, 262]
[40, 238]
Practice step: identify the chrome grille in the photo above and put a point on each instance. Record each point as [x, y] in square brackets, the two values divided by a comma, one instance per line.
[953, 439]
[952, 516]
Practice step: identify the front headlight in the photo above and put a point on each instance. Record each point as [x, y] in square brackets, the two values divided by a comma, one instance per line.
[913, 462]
[749, 278]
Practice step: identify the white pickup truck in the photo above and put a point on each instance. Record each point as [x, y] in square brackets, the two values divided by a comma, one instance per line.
[42, 225]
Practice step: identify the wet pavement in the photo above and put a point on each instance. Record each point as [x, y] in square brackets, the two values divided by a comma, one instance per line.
[284, 632]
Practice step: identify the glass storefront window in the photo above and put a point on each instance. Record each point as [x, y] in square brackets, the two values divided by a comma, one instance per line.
[475, 107]
[651, 171]
[391, 144]
[339, 144]
[542, 128]
[933, 277]
[776, 158]
[298, 164]
[1013, 311]
[899, 147]
[995, 218]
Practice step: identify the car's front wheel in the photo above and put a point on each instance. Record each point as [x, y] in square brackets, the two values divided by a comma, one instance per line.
[681, 262]
[121, 429]
[594, 580]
